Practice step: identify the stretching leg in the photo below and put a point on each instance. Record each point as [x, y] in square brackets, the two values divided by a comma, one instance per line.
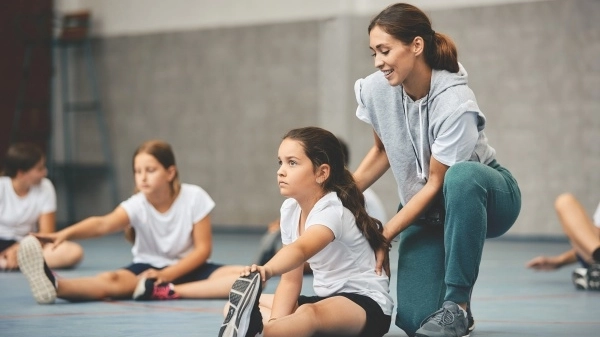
[584, 236]
[114, 284]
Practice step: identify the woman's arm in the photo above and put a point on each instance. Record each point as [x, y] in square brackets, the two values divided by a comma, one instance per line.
[202, 237]
[373, 166]
[419, 202]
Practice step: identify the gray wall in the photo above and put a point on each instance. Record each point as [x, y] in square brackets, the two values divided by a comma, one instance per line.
[224, 97]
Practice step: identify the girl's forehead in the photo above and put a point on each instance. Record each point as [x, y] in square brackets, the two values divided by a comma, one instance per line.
[291, 145]
[145, 158]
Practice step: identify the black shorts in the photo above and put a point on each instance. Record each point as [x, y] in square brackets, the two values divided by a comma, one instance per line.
[378, 323]
[4, 244]
[198, 274]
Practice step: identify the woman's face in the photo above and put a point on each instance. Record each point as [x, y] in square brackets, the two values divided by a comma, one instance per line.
[395, 59]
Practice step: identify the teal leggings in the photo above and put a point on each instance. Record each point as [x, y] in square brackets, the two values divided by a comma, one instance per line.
[441, 263]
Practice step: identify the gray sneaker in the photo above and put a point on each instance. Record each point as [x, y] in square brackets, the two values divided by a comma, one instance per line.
[449, 321]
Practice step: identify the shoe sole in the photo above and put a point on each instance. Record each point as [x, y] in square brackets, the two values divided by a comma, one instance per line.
[579, 278]
[594, 278]
[140, 289]
[30, 257]
[242, 297]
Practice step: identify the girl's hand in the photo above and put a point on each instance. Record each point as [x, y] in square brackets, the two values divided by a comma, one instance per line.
[10, 258]
[265, 271]
[154, 274]
[52, 238]
[544, 263]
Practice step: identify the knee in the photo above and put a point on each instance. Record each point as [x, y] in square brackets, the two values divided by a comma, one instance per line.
[76, 254]
[461, 176]
[307, 310]
[109, 276]
[564, 202]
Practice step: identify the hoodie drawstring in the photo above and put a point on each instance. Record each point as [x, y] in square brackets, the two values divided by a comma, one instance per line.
[420, 166]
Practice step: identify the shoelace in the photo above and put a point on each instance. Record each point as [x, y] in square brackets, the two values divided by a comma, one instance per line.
[442, 316]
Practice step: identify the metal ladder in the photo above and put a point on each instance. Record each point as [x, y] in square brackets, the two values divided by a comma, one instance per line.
[74, 37]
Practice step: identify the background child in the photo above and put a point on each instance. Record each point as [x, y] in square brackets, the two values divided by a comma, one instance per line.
[173, 240]
[28, 204]
[584, 235]
[324, 222]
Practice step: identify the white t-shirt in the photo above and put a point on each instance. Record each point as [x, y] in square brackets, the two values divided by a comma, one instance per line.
[374, 206]
[162, 239]
[347, 264]
[19, 215]
[597, 216]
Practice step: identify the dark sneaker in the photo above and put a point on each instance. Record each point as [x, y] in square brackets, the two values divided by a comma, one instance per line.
[449, 321]
[593, 273]
[587, 278]
[146, 290]
[30, 257]
[243, 317]
[470, 319]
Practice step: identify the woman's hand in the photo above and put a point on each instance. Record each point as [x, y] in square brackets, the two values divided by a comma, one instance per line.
[265, 271]
[383, 261]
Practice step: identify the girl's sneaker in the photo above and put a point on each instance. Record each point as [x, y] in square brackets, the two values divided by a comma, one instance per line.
[42, 282]
[587, 278]
[146, 290]
[243, 317]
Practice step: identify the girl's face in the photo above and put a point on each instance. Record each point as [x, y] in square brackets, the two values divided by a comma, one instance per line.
[35, 174]
[296, 176]
[150, 176]
[395, 59]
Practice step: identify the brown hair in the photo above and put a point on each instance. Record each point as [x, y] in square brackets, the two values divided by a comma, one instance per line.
[322, 147]
[164, 155]
[21, 157]
[405, 22]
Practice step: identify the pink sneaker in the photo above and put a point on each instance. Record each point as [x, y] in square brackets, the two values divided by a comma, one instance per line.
[146, 290]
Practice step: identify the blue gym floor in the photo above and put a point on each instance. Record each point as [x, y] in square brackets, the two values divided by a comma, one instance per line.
[508, 299]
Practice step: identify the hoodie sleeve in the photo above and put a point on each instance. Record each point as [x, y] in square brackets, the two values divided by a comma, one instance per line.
[361, 111]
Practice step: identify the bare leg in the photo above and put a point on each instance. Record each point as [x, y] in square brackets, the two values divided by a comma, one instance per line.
[66, 255]
[321, 317]
[114, 284]
[217, 285]
[584, 236]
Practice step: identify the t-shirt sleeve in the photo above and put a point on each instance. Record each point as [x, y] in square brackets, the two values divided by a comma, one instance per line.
[457, 142]
[49, 198]
[203, 205]
[329, 216]
[286, 221]
[597, 216]
[132, 207]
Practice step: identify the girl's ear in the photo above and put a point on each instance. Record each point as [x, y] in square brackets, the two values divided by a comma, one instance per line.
[418, 45]
[172, 171]
[323, 173]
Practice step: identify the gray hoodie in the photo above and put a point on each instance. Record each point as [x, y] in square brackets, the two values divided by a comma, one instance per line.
[409, 129]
